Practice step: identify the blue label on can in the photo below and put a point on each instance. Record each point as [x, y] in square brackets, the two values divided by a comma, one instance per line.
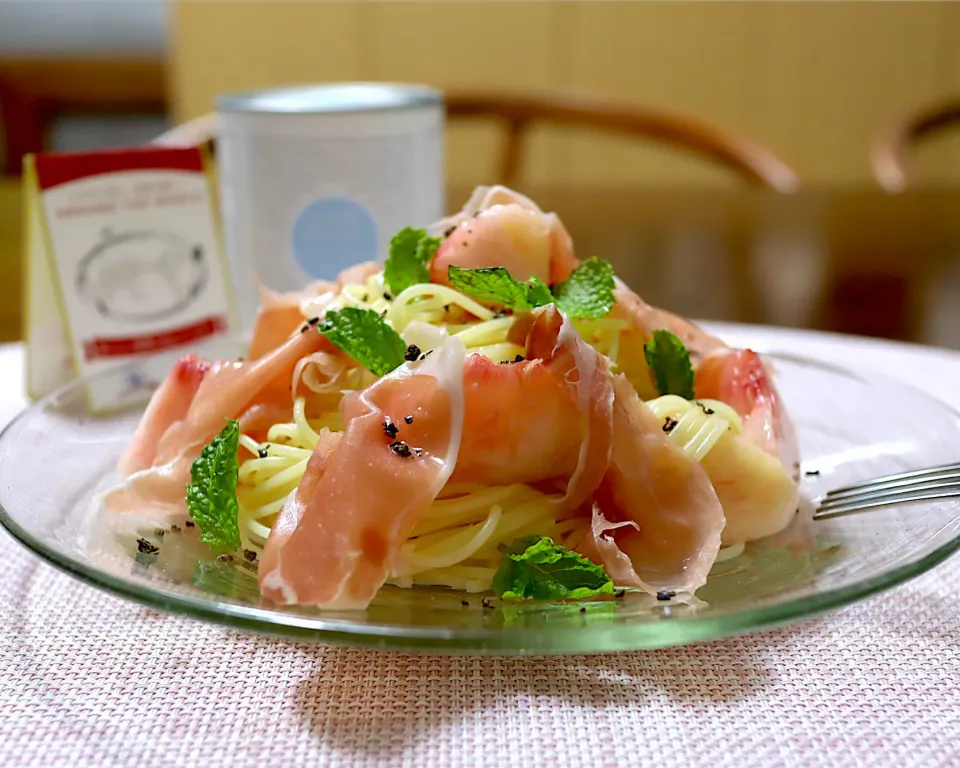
[332, 234]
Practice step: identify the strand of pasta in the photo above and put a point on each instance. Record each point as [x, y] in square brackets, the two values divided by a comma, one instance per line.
[699, 424]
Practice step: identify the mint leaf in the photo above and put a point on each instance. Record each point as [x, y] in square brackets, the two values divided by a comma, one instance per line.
[212, 492]
[535, 567]
[409, 261]
[365, 336]
[495, 285]
[588, 292]
[670, 362]
[538, 293]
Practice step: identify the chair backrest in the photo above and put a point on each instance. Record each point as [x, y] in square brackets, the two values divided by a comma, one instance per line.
[890, 156]
[518, 112]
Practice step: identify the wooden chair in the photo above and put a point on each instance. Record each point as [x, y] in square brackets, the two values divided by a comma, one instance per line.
[518, 112]
[893, 303]
[891, 153]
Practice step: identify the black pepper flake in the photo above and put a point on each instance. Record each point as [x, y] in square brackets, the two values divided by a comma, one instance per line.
[423, 357]
[708, 411]
[159, 532]
[486, 603]
[389, 428]
[812, 472]
[366, 298]
[518, 359]
[619, 594]
[224, 558]
[387, 296]
[663, 595]
[583, 609]
[262, 452]
[401, 449]
[669, 425]
[408, 418]
[413, 352]
[449, 231]
[189, 523]
[249, 555]
[465, 603]
[446, 307]
[313, 321]
[418, 451]
[429, 352]
[304, 328]
[383, 314]
[145, 547]
[174, 529]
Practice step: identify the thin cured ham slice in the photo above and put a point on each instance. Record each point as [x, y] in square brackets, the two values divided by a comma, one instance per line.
[657, 519]
[340, 535]
[281, 314]
[501, 228]
[169, 405]
[548, 416]
[187, 415]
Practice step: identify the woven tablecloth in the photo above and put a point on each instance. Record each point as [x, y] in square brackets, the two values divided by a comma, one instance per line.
[87, 679]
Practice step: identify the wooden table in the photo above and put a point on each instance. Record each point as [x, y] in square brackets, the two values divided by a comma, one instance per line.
[852, 260]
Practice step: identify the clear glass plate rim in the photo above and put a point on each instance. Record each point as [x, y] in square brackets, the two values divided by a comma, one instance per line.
[501, 640]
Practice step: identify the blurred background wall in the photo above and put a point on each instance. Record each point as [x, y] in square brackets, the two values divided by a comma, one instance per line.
[813, 82]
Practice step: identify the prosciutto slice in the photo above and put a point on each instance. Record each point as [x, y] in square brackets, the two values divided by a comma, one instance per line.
[340, 534]
[549, 416]
[657, 519]
[501, 228]
[190, 408]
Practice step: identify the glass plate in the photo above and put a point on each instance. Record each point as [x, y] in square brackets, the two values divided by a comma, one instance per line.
[56, 457]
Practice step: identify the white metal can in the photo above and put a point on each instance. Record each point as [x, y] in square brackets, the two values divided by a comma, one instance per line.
[316, 178]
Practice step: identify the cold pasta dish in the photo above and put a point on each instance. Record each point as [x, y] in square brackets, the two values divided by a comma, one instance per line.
[484, 412]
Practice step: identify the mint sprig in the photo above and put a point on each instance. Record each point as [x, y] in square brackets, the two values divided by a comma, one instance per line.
[587, 293]
[534, 567]
[365, 336]
[669, 361]
[495, 285]
[212, 492]
[408, 263]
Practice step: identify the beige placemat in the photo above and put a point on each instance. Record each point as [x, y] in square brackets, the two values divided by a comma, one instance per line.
[89, 680]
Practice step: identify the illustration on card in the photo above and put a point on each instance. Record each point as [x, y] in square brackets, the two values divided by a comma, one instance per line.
[141, 276]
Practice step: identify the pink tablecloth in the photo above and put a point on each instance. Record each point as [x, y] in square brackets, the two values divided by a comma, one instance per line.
[89, 680]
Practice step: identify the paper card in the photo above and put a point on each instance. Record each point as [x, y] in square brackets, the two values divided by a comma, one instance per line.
[124, 265]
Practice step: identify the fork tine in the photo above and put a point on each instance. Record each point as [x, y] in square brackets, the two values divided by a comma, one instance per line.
[851, 507]
[879, 494]
[946, 471]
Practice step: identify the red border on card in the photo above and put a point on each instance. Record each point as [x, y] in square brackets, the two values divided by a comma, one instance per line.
[140, 345]
[60, 168]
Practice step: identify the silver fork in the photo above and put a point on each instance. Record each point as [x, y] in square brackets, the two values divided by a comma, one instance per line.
[941, 482]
